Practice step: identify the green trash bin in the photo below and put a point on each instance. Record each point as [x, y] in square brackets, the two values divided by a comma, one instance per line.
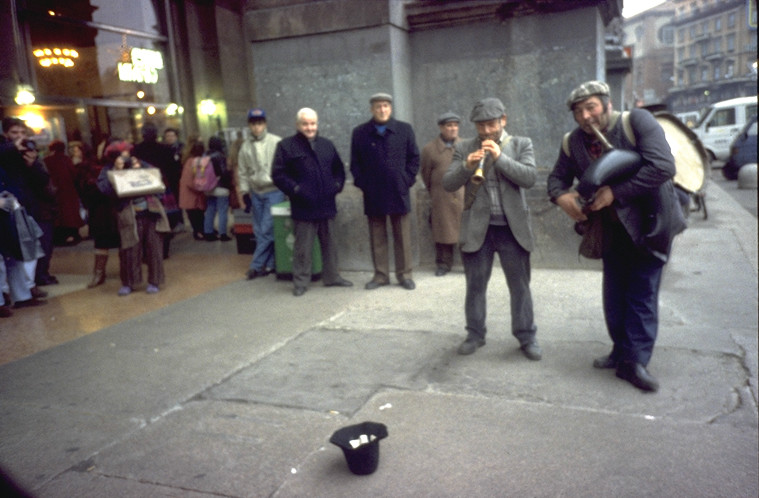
[284, 241]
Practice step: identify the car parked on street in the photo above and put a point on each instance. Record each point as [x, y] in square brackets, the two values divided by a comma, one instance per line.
[742, 150]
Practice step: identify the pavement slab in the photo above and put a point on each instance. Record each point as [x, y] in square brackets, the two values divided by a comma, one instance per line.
[443, 445]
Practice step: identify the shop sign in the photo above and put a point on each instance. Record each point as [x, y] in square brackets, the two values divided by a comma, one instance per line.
[143, 68]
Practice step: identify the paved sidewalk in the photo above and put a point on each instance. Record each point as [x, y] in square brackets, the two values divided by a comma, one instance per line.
[236, 392]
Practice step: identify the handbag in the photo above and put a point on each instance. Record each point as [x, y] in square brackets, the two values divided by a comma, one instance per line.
[591, 245]
[135, 182]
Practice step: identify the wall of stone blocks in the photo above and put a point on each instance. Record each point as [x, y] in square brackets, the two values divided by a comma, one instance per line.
[530, 62]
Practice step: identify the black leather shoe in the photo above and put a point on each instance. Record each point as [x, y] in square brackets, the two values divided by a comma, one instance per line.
[637, 375]
[532, 351]
[470, 345]
[340, 282]
[299, 291]
[38, 293]
[373, 284]
[255, 274]
[47, 280]
[440, 272]
[29, 303]
[408, 284]
[605, 362]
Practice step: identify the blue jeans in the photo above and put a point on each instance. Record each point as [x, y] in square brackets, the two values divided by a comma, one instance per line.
[214, 205]
[478, 266]
[263, 229]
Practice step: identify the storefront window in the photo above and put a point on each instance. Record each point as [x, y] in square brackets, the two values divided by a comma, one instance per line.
[101, 68]
[78, 61]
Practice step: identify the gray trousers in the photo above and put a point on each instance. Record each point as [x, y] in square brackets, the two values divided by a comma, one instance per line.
[515, 262]
[305, 232]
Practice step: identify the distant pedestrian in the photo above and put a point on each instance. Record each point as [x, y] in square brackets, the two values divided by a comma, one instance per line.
[258, 191]
[217, 200]
[384, 164]
[497, 169]
[141, 221]
[192, 201]
[638, 217]
[445, 207]
[161, 156]
[309, 170]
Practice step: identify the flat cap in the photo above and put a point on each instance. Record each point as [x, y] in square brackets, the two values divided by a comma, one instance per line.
[587, 90]
[447, 117]
[487, 109]
[381, 97]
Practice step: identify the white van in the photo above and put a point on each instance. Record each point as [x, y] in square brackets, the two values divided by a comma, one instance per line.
[720, 123]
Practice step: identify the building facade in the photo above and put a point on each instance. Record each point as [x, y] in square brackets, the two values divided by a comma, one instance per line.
[715, 52]
[649, 37]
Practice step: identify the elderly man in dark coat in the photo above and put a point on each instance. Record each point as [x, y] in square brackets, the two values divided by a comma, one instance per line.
[384, 164]
[309, 170]
[445, 207]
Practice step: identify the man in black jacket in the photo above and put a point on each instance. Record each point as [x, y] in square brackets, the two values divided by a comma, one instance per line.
[308, 169]
[384, 164]
[639, 214]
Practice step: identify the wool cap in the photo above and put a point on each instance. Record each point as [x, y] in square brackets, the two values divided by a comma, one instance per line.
[381, 97]
[487, 109]
[587, 90]
[447, 117]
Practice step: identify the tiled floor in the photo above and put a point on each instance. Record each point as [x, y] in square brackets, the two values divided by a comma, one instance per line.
[73, 310]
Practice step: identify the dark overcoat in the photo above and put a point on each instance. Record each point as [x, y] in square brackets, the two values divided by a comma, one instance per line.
[385, 166]
[310, 177]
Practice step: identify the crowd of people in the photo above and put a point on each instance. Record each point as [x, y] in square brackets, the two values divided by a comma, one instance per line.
[478, 205]
[45, 202]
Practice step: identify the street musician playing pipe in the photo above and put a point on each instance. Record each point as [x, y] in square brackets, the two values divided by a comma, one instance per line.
[637, 215]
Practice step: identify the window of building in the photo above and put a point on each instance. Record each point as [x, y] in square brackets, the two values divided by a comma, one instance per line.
[667, 35]
[729, 68]
[704, 48]
[692, 31]
[681, 54]
[718, 24]
[705, 27]
[638, 33]
[717, 72]
[704, 73]
[731, 20]
[681, 35]
[717, 45]
[731, 43]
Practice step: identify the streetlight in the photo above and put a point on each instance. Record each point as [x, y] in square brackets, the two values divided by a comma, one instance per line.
[24, 95]
[208, 107]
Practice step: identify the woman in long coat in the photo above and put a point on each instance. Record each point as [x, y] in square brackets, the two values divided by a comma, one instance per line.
[192, 201]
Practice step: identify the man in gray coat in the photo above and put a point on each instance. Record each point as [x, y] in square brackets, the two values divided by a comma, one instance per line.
[495, 167]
